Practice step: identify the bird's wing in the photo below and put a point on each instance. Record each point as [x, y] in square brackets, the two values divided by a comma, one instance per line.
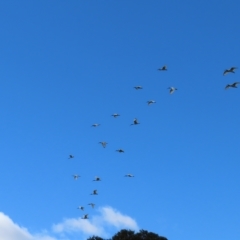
[234, 84]
[225, 72]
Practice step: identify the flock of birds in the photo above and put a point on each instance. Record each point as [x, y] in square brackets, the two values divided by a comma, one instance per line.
[231, 70]
[136, 122]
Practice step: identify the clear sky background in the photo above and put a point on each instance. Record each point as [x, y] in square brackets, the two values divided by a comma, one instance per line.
[66, 65]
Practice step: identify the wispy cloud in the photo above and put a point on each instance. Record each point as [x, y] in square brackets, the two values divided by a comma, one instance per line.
[115, 218]
[107, 220]
[11, 231]
[73, 225]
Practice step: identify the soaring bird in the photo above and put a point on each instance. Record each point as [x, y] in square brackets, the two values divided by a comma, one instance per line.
[85, 216]
[129, 175]
[234, 85]
[71, 156]
[94, 192]
[104, 144]
[163, 68]
[115, 115]
[135, 122]
[151, 102]
[96, 125]
[92, 205]
[120, 150]
[172, 89]
[138, 87]
[76, 176]
[97, 179]
[230, 70]
[80, 207]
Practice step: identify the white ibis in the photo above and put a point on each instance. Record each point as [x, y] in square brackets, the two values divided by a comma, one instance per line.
[76, 176]
[94, 192]
[230, 70]
[172, 90]
[85, 216]
[234, 85]
[120, 150]
[135, 122]
[138, 87]
[151, 102]
[129, 175]
[97, 179]
[104, 144]
[163, 68]
[96, 125]
[80, 208]
[92, 205]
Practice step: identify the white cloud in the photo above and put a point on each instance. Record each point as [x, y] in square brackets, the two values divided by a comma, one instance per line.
[77, 225]
[11, 231]
[104, 224]
[117, 219]
[107, 219]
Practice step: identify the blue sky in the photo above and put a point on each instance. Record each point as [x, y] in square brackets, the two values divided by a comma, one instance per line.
[66, 65]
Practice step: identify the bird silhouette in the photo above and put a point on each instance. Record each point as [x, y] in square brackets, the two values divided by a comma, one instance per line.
[138, 87]
[92, 205]
[94, 192]
[96, 125]
[129, 175]
[76, 176]
[115, 115]
[150, 102]
[81, 208]
[163, 68]
[97, 179]
[120, 150]
[233, 85]
[85, 216]
[104, 144]
[135, 122]
[230, 70]
[172, 90]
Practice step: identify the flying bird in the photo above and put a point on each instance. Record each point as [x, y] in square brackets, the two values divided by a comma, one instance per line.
[70, 156]
[97, 179]
[104, 144]
[151, 102]
[85, 216]
[92, 205]
[115, 115]
[80, 208]
[230, 70]
[172, 90]
[135, 122]
[96, 125]
[234, 85]
[138, 87]
[75, 176]
[129, 175]
[163, 68]
[120, 151]
[94, 192]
